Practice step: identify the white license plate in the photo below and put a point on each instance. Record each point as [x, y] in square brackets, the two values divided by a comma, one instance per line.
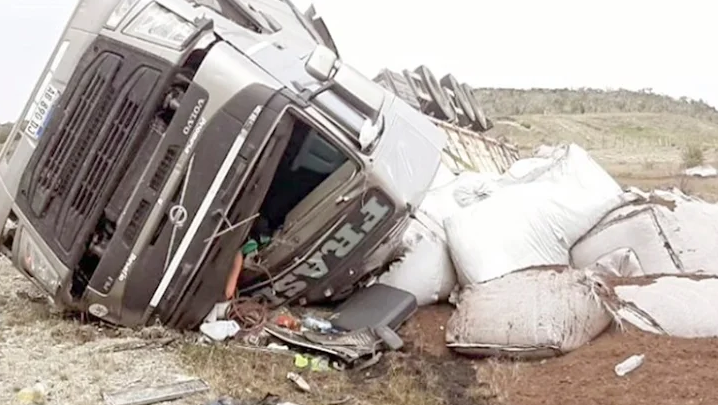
[42, 111]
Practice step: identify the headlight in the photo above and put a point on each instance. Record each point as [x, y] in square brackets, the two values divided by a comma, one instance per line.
[119, 13]
[161, 26]
[35, 263]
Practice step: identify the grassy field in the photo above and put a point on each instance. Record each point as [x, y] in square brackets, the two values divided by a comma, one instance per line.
[638, 149]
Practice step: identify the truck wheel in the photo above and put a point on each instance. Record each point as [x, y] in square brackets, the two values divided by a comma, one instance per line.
[462, 98]
[480, 123]
[441, 106]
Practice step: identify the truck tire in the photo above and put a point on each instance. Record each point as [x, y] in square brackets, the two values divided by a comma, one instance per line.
[399, 85]
[481, 122]
[462, 98]
[441, 107]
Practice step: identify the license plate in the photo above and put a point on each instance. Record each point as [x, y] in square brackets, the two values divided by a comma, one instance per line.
[40, 116]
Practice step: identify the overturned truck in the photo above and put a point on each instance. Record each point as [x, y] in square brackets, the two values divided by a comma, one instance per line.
[166, 136]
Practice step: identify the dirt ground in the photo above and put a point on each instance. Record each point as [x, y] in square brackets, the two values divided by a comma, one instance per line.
[675, 371]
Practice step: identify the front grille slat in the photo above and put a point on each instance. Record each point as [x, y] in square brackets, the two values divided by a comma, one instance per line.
[73, 138]
[108, 150]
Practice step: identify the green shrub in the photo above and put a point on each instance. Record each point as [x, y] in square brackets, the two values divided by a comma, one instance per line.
[693, 156]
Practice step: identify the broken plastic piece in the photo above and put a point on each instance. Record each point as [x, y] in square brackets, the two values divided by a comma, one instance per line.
[287, 321]
[319, 363]
[300, 361]
[220, 330]
[301, 383]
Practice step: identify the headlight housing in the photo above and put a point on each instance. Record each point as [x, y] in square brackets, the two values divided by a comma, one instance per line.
[34, 262]
[119, 13]
[161, 26]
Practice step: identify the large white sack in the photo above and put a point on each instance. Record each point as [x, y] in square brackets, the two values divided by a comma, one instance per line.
[426, 269]
[537, 312]
[680, 306]
[522, 226]
[450, 192]
[535, 213]
[566, 164]
[472, 187]
[439, 202]
[670, 233]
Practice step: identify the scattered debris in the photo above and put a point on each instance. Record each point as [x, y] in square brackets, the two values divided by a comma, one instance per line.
[374, 306]
[274, 346]
[629, 365]
[269, 399]
[315, 363]
[138, 344]
[220, 330]
[288, 321]
[317, 324]
[390, 338]
[300, 382]
[152, 395]
[301, 361]
[218, 312]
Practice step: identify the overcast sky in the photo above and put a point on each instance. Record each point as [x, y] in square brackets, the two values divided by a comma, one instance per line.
[667, 45]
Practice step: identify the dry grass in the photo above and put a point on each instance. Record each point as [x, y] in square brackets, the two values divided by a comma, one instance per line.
[496, 379]
[75, 362]
[630, 134]
[398, 379]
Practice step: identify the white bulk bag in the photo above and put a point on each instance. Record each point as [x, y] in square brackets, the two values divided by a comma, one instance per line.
[670, 233]
[538, 312]
[426, 269]
[567, 164]
[522, 226]
[682, 306]
[472, 187]
[535, 213]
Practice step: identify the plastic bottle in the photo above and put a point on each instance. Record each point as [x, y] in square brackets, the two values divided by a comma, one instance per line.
[315, 323]
[629, 365]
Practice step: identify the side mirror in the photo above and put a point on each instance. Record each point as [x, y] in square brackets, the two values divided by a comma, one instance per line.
[321, 64]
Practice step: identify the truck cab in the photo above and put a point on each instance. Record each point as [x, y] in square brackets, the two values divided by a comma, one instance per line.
[165, 135]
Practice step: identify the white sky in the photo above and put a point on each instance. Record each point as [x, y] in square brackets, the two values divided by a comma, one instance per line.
[664, 44]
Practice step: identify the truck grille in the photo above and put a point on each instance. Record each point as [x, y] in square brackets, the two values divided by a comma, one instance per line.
[91, 140]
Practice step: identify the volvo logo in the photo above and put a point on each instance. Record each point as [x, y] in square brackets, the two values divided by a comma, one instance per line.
[193, 116]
